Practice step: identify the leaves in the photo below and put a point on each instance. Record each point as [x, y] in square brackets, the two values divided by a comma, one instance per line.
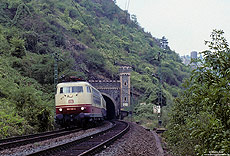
[202, 108]
[17, 47]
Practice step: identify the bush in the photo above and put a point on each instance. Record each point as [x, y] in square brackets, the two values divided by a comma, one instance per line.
[11, 124]
[94, 59]
[78, 27]
[30, 105]
[17, 47]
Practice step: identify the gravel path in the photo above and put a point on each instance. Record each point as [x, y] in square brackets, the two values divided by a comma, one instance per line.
[137, 142]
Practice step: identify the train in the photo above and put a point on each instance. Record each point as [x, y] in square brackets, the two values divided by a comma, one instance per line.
[78, 104]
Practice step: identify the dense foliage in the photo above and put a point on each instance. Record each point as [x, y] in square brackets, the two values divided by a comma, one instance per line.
[91, 39]
[24, 107]
[200, 119]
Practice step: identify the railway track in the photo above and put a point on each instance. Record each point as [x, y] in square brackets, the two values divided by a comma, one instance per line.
[88, 145]
[23, 140]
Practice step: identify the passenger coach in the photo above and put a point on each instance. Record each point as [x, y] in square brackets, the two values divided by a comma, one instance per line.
[78, 103]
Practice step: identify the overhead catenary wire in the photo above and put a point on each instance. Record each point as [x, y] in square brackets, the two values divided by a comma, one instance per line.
[126, 9]
[128, 5]
[85, 21]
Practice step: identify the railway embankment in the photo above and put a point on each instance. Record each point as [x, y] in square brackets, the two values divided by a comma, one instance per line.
[137, 142]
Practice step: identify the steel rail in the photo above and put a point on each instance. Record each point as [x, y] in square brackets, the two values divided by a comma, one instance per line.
[27, 136]
[106, 143]
[23, 140]
[86, 150]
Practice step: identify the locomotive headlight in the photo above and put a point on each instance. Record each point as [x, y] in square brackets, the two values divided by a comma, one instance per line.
[60, 109]
[82, 108]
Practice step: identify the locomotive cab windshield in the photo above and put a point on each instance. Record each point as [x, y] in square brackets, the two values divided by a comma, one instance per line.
[75, 89]
[78, 102]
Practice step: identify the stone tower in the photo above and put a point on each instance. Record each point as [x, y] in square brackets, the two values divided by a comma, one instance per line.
[125, 86]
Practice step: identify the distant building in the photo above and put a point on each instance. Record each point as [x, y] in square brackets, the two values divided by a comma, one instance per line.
[164, 43]
[194, 54]
[187, 59]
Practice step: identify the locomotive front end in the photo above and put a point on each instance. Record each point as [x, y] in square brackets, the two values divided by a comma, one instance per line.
[71, 104]
[78, 103]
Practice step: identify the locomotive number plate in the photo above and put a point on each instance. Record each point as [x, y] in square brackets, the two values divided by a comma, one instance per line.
[71, 108]
[71, 101]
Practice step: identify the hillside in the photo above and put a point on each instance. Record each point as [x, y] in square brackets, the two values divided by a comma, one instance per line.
[91, 39]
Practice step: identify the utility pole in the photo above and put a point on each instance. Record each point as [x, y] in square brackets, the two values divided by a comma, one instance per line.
[56, 60]
[164, 46]
[132, 104]
[160, 88]
[159, 102]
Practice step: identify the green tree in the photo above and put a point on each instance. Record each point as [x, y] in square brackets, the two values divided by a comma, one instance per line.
[17, 47]
[77, 27]
[200, 118]
[134, 19]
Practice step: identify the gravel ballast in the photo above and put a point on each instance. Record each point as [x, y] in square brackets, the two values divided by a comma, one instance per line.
[31, 148]
[137, 142]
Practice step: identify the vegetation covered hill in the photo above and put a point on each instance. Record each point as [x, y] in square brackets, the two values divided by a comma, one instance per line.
[92, 39]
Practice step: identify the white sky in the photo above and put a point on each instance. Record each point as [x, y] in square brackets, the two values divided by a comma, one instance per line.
[185, 23]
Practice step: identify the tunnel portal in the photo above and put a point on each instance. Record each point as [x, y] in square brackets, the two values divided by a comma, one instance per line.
[115, 92]
[110, 106]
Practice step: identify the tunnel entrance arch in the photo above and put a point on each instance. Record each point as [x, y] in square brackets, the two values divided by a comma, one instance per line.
[110, 106]
[115, 92]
